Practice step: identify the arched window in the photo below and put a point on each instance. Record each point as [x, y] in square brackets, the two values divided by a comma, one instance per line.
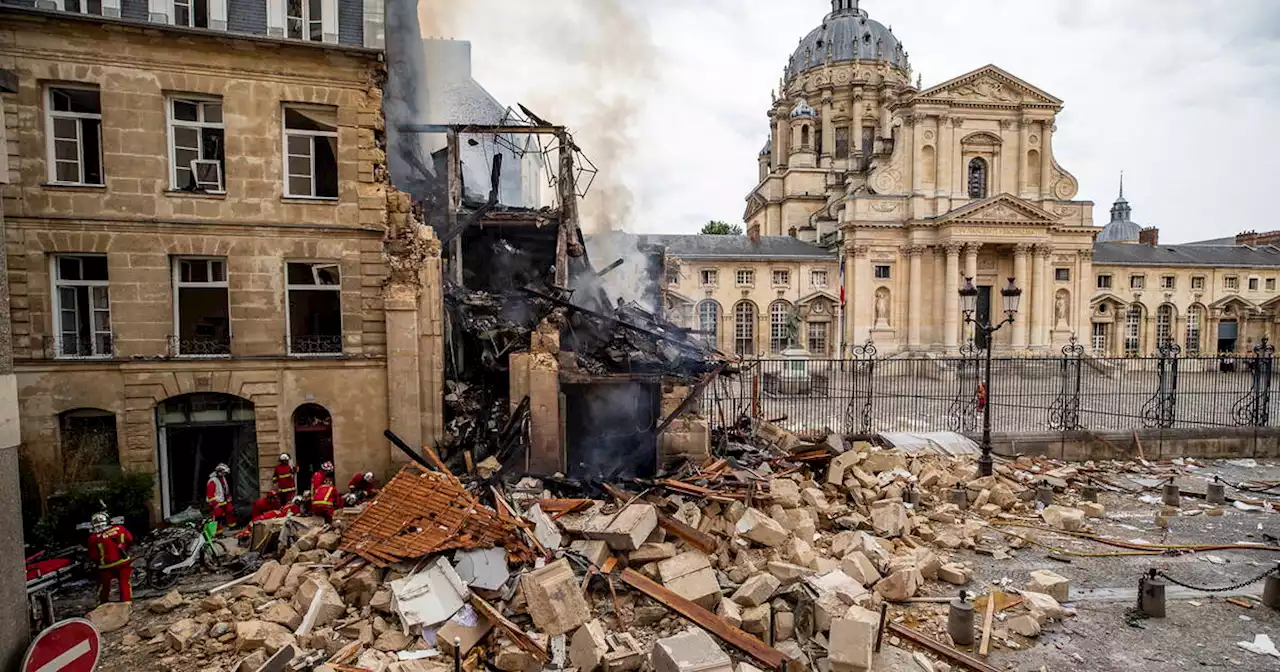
[709, 321]
[1133, 331]
[804, 135]
[1195, 318]
[978, 178]
[779, 326]
[744, 328]
[87, 437]
[1164, 324]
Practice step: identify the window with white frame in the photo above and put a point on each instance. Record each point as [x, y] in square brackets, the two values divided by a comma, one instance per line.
[1137, 281]
[1099, 338]
[1197, 282]
[780, 334]
[1194, 319]
[744, 328]
[781, 278]
[1231, 282]
[818, 278]
[311, 151]
[1104, 282]
[74, 123]
[818, 338]
[1133, 331]
[745, 278]
[1253, 284]
[196, 144]
[82, 306]
[315, 307]
[709, 320]
[1164, 324]
[83, 6]
[1168, 282]
[303, 20]
[201, 313]
[191, 13]
[708, 277]
[1271, 284]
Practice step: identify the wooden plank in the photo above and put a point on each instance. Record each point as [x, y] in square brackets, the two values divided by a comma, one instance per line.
[986, 625]
[513, 631]
[748, 644]
[956, 656]
[689, 535]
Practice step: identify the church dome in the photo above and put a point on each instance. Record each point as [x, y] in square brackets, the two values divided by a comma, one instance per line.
[847, 34]
[1120, 229]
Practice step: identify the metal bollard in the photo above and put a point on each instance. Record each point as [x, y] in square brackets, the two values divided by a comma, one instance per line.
[1271, 592]
[1216, 492]
[1151, 595]
[1044, 495]
[960, 620]
[1172, 495]
[1089, 493]
[960, 497]
[911, 497]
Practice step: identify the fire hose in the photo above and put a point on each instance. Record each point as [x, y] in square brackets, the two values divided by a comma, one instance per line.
[1151, 549]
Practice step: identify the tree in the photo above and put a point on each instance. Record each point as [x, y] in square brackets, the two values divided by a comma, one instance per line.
[716, 227]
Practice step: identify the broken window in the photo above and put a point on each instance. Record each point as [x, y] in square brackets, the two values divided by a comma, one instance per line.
[200, 310]
[709, 320]
[304, 20]
[87, 438]
[779, 326]
[744, 328]
[709, 278]
[311, 152]
[82, 307]
[191, 13]
[75, 136]
[196, 143]
[818, 338]
[315, 308]
[842, 142]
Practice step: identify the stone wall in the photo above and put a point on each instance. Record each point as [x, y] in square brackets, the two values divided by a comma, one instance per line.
[1212, 443]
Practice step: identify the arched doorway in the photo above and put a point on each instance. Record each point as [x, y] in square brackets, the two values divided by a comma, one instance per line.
[312, 441]
[197, 432]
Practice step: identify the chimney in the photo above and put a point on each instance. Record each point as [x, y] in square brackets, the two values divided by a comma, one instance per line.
[1249, 238]
[753, 232]
[1149, 236]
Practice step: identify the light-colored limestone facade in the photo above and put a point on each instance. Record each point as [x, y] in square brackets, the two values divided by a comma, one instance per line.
[918, 189]
[753, 297]
[197, 226]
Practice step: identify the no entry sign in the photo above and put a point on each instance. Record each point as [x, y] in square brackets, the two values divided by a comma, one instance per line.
[66, 646]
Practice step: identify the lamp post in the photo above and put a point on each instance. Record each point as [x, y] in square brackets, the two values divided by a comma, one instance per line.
[1011, 296]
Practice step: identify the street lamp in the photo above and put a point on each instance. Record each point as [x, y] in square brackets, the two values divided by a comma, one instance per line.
[1010, 295]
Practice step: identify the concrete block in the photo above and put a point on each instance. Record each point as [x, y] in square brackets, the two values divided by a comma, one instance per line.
[860, 568]
[690, 576]
[889, 519]
[837, 583]
[588, 647]
[625, 530]
[954, 574]
[1093, 509]
[755, 620]
[555, 602]
[596, 552]
[853, 639]
[730, 612]
[900, 585]
[756, 590]
[1050, 583]
[760, 529]
[690, 651]
[1063, 517]
[789, 573]
[1045, 604]
[651, 552]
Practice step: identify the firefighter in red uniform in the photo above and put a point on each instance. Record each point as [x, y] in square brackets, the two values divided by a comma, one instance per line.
[362, 486]
[217, 494]
[285, 478]
[317, 478]
[265, 503]
[324, 500]
[109, 548]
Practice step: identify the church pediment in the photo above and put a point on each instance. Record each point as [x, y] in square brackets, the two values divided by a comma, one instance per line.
[988, 85]
[678, 299]
[999, 209]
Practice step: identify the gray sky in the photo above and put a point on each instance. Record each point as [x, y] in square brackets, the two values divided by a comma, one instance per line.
[669, 96]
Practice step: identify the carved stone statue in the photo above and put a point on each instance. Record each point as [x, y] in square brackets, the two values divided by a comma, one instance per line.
[1059, 310]
[882, 308]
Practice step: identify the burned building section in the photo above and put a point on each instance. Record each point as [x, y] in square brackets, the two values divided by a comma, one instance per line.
[545, 370]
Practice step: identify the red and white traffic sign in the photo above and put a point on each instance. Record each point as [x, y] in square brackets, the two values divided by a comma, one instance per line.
[72, 645]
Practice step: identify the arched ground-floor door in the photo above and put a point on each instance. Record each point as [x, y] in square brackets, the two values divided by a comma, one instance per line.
[312, 440]
[197, 432]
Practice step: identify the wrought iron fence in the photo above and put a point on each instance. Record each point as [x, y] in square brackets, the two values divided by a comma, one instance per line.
[1070, 390]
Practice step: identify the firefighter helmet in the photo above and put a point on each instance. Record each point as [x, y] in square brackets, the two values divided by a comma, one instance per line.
[99, 522]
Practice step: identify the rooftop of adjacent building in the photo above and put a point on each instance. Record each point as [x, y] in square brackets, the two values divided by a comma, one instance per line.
[724, 247]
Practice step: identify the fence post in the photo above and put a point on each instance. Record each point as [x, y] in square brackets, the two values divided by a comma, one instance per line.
[858, 415]
[1161, 409]
[963, 415]
[1254, 409]
[1064, 412]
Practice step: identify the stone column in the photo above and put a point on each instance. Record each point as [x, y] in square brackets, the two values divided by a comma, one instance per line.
[970, 271]
[937, 265]
[915, 124]
[946, 138]
[14, 632]
[1024, 147]
[951, 300]
[1083, 325]
[1022, 325]
[404, 385]
[1041, 306]
[915, 296]
[827, 152]
[959, 186]
[859, 311]
[1046, 159]
[431, 321]
[781, 138]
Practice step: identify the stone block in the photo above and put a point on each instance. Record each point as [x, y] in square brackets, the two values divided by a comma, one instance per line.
[900, 585]
[275, 579]
[253, 635]
[799, 552]
[625, 530]
[847, 589]
[755, 620]
[392, 641]
[651, 552]
[1043, 604]
[283, 614]
[784, 625]
[784, 492]
[927, 563]
[1024, 625]
[954, 574]
[690, 576]
[853, 639]
[889, 519]
[555, 602]
[756, 590]
[690, 651]
[838, 465]
[1093, 509]
[588, 647]
[331, 606]
[789, 573]
[815, 498]
[1050, 583]
[625, 653]
[596, 552]
[512, 658]
[860, 568]
[1063, 517]
[761, 529]
[110, 616]
[163, 605]
[730, 612]
[884, 460]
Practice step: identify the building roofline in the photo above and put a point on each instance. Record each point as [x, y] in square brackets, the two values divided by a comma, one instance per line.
[6, 9]
[760, 257]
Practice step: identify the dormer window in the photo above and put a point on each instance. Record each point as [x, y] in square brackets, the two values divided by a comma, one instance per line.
[191, 13]
[303, 20]
[83, 6]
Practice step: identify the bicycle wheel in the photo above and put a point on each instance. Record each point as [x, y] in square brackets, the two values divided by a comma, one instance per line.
[157, 577]
[212, 555]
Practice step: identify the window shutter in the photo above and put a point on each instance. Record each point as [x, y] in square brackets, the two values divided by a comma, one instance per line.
[329, 21]
[160, 10]
[111, 8]
[275, 18]
[218, 14]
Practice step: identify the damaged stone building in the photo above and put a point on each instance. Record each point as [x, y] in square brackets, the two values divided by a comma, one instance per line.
[206, 262]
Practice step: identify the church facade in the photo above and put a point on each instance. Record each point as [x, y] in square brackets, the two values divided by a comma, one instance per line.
[919, 188]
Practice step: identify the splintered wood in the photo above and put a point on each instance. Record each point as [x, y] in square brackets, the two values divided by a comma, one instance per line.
[423, 512]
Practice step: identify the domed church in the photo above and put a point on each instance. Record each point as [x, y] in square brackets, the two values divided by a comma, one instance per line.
[918, 188]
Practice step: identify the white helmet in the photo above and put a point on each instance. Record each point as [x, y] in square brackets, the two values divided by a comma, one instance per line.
[221, 469]
[99, 522]
[284, 457]
[368, 476]
[327, 467]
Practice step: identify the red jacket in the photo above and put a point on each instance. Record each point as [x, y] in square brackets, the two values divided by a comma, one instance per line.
[286, 481]
[325, 495]
[281, 512]
[263, 504]
[317, 479]
[110, 548]
[357, 482]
